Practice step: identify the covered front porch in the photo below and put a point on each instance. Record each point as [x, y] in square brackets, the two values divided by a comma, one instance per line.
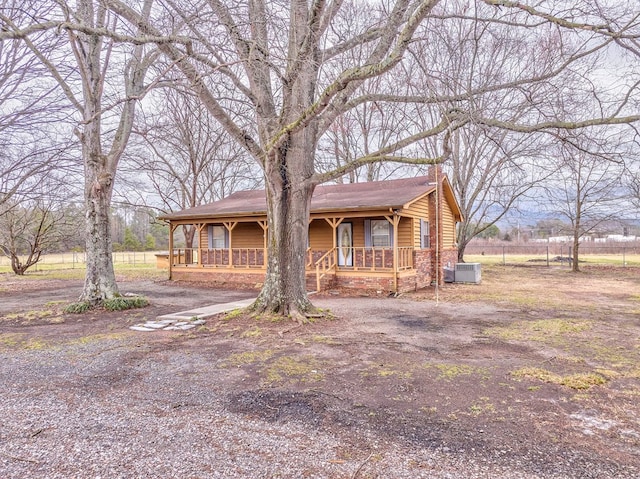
[366, 250]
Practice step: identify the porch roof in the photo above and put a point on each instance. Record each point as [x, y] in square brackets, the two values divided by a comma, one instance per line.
[326, 198]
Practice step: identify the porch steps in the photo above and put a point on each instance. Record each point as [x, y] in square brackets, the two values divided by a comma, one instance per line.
[206, 311]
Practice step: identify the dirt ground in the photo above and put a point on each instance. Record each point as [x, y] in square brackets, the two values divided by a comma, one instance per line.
[532, 374]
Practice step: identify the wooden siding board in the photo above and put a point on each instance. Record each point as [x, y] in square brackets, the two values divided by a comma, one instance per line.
[320, 235]
[405, 231]
[418, 209]
[448, 226]
[247, 235]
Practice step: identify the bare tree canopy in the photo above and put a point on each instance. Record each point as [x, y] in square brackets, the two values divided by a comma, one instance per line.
[279, 77]
[102, 81]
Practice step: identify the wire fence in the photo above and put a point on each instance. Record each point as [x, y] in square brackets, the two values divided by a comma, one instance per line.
[79, 260]
[557, 253]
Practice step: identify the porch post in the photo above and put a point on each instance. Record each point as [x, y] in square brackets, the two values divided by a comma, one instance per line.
[171, 230]
[264, 225]
[230, 225]
[334, 223]
[200, 228]
[394, 221]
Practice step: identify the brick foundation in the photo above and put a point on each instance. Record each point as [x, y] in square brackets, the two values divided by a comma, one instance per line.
[365, 282]
[220, 278]
[423, 277]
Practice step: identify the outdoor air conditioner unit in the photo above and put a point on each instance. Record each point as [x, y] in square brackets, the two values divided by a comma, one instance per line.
[467, 273]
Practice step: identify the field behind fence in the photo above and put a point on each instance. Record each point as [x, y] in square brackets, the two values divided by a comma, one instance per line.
[129, 259]
[552, 254]
[548, 254]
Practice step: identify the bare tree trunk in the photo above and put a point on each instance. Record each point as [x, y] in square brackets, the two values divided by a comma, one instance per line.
[100, 280]
[575, 265]
[288, 206]
[462, 245]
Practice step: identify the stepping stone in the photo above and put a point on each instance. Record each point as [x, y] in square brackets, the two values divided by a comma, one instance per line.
[198, 322]
[140, 327]
[164, 321]
[154, 325]
[186, 326]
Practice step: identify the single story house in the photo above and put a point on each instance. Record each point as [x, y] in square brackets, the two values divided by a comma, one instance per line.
[394, 236]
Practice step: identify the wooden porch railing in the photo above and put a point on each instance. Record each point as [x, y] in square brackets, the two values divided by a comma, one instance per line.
[185, 256]
[243, 258]
[405, 258]
[326, 263]
[219, 257]
[363, 258]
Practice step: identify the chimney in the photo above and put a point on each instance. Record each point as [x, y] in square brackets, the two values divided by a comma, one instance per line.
[433, 171]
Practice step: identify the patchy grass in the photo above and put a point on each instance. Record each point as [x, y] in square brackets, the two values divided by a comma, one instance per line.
[451, 371]
[252, 333]
[304, 369]
[47, 315]
[324, 340]
[249, 357]
[233, 314]
[387, 371]
[278, 369]
[18, 341]
[119, 303]
[97, 338]
[10, 339]
[482, 407]
[574, 381]
[543, 330]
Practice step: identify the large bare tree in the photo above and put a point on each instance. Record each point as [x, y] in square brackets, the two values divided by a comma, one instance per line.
[278, 75]
[102, 78]
[588, 189]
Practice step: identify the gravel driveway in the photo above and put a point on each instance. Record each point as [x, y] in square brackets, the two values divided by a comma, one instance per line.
[392, 388]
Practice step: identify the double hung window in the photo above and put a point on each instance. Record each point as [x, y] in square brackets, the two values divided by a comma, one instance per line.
[218, 237]
[378, 234]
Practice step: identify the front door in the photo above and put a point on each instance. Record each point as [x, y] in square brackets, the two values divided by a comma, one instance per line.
[345, 244]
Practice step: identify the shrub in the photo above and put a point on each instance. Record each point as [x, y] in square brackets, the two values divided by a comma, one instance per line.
[121, 303]
[78, 308]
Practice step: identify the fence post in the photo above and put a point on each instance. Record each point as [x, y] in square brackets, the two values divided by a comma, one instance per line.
[624, 256]
[547, 256]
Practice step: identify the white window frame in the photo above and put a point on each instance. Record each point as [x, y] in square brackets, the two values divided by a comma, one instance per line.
[218, 237]
[380, 238]
[425, 235]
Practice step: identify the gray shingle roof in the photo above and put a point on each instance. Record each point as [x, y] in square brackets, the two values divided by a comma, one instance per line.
[326, 198]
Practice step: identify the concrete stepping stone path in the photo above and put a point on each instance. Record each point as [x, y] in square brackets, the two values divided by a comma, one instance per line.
[186, 320]
[166, 325]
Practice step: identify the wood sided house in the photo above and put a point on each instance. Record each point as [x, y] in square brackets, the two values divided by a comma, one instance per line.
[386, 235]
